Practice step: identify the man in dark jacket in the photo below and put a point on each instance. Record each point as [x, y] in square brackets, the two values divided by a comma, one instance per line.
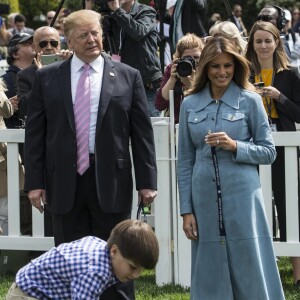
[189, 17]
[135, 37]
[20, 56]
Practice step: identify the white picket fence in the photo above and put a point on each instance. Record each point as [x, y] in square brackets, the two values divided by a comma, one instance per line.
[174, 262]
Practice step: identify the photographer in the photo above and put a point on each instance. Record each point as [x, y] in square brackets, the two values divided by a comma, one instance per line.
[178, 75]
[135, 36]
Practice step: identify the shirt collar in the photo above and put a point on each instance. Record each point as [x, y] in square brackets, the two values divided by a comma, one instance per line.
[230, 96]
[97, 64]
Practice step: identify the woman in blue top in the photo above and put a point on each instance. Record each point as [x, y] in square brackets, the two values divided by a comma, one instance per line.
[232, 254]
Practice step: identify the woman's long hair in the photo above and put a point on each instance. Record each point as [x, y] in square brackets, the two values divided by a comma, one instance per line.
[213, 48]
[280, 59]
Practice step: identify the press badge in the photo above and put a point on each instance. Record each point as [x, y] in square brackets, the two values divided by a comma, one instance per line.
[116, 57]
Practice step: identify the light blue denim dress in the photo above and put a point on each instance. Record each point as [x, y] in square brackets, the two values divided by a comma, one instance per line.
[242, 264]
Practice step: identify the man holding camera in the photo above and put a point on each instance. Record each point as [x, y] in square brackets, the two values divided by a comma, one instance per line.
[46, 41]
[135, 36]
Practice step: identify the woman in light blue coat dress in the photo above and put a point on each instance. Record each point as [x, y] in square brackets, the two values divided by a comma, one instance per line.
[232, 253]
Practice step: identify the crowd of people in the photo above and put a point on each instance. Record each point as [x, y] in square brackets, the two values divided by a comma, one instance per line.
[233, 86]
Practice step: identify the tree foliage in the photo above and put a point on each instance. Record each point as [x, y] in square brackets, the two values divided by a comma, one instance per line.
[251, 8]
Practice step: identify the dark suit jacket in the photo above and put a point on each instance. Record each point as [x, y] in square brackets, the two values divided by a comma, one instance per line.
[50, 139]
[288, 83]
[25, 79]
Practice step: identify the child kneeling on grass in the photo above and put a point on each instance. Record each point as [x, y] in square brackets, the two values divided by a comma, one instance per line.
[83, 269]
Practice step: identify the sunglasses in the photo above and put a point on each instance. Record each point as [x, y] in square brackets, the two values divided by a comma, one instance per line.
[43, 44]
[141, 209]
[266, 18]
[49, 18]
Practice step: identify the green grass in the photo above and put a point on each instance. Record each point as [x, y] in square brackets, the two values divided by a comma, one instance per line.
[146, 289]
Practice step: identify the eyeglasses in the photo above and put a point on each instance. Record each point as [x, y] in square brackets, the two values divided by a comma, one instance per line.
[141, 209]
[266, 18]
[43, 44]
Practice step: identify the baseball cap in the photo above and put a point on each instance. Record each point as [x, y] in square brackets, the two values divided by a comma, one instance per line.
[18, 38]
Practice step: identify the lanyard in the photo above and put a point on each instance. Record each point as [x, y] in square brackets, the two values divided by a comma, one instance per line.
[219, 195]
[268, 100]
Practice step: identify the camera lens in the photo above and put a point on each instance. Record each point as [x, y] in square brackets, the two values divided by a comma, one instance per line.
[184, 68]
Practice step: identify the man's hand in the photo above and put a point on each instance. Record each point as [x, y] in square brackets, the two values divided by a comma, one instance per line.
[15, 102]
[37, 199]
[113, 5]
[147, 196]
[65, 53]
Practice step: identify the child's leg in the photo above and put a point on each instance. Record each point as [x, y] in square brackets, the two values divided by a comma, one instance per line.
[15, 293]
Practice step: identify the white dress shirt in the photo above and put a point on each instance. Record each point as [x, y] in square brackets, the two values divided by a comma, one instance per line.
[96, 76]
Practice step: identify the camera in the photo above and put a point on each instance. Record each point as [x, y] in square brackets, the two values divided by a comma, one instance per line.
[185, 66]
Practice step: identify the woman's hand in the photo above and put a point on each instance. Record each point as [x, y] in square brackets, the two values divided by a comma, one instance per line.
[270, 91]
[220, 139]
[190, 226]
[187, 81]
[173, 70]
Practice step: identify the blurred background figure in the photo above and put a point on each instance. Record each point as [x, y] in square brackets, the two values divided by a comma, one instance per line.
[215, 18]
[5, 36]
[237, 14]
[20, 25]
[20, 55]
[11, 20]
[296, 19]
[50, 16]
[189, 17]
[230, 31]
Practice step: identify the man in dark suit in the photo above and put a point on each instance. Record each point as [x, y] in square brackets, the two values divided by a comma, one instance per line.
[19, 26]
[95, 201]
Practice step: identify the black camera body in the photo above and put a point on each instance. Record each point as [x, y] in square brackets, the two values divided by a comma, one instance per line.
[185, 66]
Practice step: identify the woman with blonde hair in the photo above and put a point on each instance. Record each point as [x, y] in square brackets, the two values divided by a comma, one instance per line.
[230, 31]
[281, 98]
[224, 135]
[188, 47]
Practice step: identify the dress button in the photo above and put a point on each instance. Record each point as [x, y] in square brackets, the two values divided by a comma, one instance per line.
[213, 118]
[196, 119]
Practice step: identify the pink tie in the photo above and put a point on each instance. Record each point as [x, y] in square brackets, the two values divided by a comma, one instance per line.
[82, 119]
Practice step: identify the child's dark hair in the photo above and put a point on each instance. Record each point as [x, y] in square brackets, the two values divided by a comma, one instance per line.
[136, 241]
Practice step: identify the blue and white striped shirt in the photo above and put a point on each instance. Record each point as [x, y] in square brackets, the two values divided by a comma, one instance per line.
[77, 270]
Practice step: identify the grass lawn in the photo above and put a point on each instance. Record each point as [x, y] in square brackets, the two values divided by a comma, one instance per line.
[146, 288]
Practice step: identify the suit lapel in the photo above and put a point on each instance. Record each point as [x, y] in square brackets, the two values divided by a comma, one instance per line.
[64, 77]
[108, 82]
